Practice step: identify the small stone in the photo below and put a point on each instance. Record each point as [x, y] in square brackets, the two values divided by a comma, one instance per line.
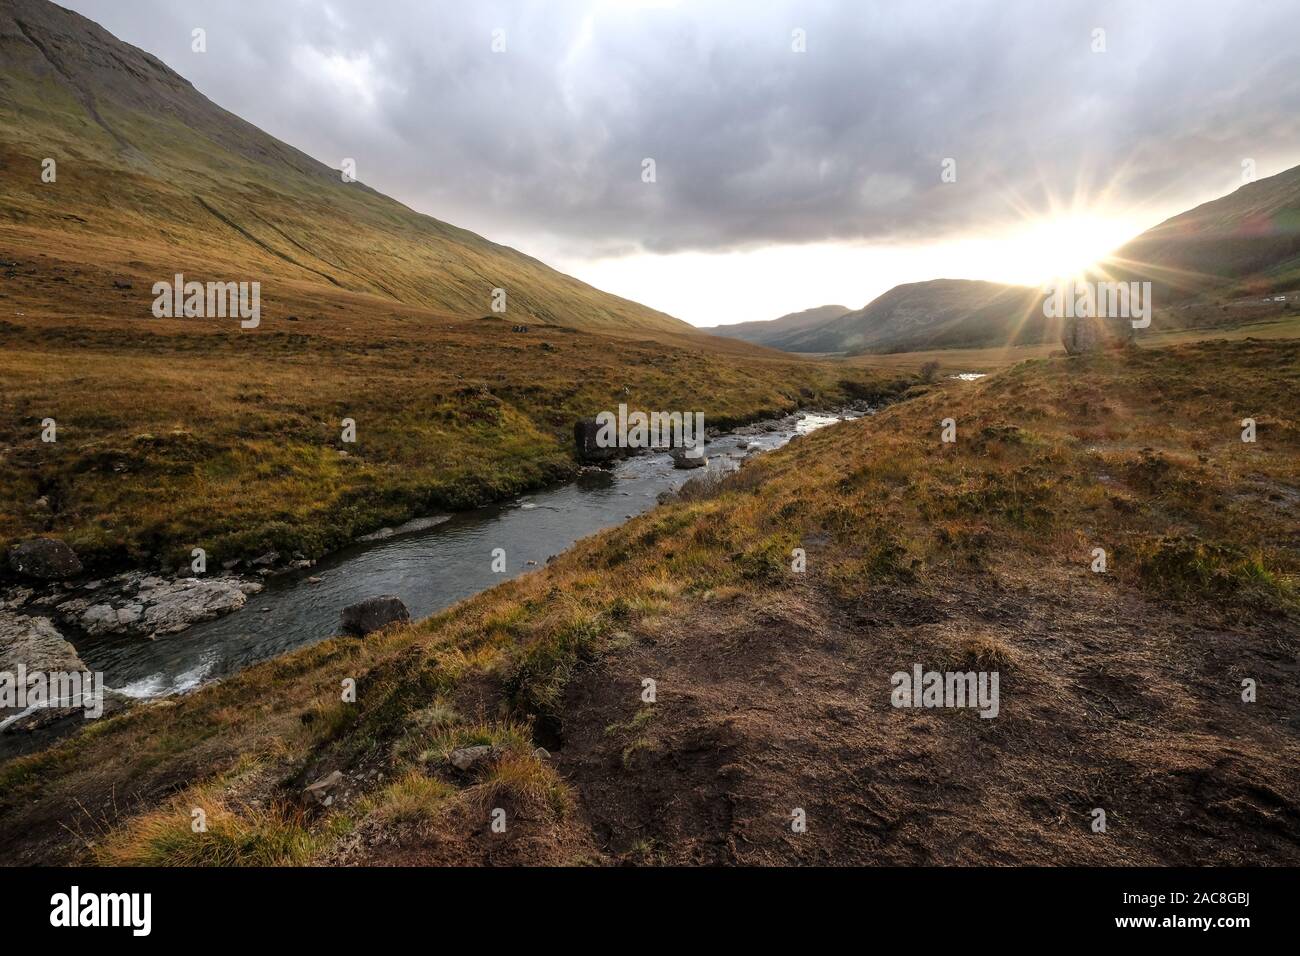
[17, 597]
[465, 758]
[321, 792]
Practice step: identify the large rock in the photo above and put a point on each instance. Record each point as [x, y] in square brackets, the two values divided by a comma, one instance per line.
[374, 613]
[36, 644]
[174, 606]
[682, 460]
[46, 558]
[1082, 335]
[584, 439]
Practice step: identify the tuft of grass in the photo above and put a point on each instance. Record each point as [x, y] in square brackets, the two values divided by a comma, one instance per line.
[646, 853]
[1185, 566]
[633, 734]
[543, 667]
[276, 835]
[525, 784]
[412, 799]
[983, 652]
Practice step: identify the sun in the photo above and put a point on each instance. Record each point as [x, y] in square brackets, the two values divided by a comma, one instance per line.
[1064, 247]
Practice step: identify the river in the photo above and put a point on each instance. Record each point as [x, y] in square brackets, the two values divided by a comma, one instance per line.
[429, 570]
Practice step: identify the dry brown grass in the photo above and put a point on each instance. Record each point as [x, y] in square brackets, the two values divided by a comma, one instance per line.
[175, 434]
[890, 518]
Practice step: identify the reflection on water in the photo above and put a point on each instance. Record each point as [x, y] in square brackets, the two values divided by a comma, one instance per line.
[429, 570]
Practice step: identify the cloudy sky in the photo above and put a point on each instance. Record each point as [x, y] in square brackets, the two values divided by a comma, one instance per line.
[799, 148]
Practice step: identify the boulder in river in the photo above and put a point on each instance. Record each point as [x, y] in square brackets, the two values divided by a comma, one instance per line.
[374, 613]
[681, 458]
[46, 558]
[173, 606]
[146, 604]
[584, 438]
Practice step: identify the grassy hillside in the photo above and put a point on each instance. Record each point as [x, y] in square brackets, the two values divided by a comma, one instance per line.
[140, 153]
[1119, 690]
[1247, 242]
[182, 433]
[941, 313]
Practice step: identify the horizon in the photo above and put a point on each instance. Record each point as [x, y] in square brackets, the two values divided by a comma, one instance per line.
[558, 175]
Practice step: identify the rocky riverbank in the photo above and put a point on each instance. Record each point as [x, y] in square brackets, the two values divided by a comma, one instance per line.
[40, 616]
[136, 607]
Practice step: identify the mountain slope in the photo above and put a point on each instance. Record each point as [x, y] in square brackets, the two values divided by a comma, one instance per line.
[179, 432]
[140, 152]
[772, 332]
[941, 313]
[1247, 241]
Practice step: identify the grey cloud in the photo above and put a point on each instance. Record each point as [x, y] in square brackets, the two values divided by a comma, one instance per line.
[753, 143]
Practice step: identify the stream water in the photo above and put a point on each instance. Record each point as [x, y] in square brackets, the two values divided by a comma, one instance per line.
[429, 570]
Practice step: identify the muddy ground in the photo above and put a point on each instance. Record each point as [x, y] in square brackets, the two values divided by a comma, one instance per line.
[769, 703]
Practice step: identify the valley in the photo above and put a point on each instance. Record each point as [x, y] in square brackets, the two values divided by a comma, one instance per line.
[343, 502]
[975, 554]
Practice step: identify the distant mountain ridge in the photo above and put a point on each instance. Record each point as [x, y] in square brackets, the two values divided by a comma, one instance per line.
[773, 332]
[940, 313]
[140, 152]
